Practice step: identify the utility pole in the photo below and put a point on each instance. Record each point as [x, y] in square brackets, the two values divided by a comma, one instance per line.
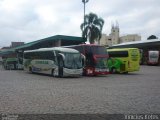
[84, 2]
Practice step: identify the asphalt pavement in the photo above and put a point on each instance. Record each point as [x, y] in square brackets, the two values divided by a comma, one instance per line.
[136, 93]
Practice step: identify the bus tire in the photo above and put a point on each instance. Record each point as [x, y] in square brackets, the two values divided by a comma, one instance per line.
[125, 72]
[113, 70]
[30, 70]
[53, 73]
[60, 67]
[14, 67]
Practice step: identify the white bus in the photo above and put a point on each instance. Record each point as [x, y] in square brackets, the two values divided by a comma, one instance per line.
[56, 61]
[153, 57]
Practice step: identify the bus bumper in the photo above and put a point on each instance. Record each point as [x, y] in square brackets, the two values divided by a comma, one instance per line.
[95, 71]
[72, 72]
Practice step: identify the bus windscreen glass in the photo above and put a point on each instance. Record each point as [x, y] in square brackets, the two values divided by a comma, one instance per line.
[98, 50]
[73, 60]
[101, 63]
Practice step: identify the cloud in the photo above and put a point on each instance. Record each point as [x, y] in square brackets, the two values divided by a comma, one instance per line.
[133, 16]
[29, 20]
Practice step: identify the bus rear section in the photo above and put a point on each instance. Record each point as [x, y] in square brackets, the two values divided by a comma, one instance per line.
[10, 63]
[124, 60]
[95, 59]
[153, 57]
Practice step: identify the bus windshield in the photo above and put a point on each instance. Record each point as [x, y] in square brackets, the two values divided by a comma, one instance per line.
[153, 55]
[101, 63]
[95, 58]
[118, 53]
[98, 50]
[73, 60]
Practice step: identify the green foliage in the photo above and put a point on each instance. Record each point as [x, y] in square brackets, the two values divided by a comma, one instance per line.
[92, 27]
[152, 37]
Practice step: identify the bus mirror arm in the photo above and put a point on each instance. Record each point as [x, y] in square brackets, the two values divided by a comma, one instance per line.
[62, 55]
[83, 60]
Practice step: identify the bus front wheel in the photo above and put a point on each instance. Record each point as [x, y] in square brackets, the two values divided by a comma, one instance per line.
[53, 73]
[125, 72]
[30, 70]
[113, 70]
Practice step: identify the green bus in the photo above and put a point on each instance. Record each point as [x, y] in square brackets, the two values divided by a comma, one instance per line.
[123, 60]
[10, 63]
[56, 61]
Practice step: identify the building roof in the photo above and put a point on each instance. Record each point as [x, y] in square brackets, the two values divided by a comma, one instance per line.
[41, 41]
[138, 44]
[53, 38]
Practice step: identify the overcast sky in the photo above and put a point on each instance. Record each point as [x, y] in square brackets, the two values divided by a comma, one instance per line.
[30, 20]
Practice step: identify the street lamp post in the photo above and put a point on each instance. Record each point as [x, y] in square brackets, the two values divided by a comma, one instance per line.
[84, 2]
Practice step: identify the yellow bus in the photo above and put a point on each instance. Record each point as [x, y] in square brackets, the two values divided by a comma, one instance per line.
[123, 60]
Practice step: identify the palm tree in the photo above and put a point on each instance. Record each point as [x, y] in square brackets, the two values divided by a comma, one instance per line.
[92, 28]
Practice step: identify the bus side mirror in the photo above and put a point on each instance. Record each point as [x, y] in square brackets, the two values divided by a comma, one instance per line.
[83, 60]
[60, 54]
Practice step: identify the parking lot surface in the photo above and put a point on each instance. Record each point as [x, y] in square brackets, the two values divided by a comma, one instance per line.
[24, 93]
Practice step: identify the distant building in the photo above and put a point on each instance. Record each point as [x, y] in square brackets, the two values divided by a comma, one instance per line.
[15, 44]
[103, 40]
[114, 37]
[3, 48]
[130, 38]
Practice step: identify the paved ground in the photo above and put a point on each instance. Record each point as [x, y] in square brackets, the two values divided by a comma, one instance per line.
[138, 92]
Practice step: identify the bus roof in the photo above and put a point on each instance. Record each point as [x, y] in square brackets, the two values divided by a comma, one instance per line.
[153, 51]
[54, 48]
[137, 42]
[83, 45]
[119, 49]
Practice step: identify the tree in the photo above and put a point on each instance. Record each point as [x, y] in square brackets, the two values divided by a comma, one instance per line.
[92, 28]
[152, 37]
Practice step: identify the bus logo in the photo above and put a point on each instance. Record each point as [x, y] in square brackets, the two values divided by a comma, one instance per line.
[41, 62]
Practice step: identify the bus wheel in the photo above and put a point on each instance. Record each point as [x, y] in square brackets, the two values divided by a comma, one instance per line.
[125, 72]
[30, 70]
[53, 73]
[113, 70]
[60, 68]
[14, 67]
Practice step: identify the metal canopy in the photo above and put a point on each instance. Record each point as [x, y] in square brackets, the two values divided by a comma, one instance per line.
[53, 38]
[139, 44]
[31, 45]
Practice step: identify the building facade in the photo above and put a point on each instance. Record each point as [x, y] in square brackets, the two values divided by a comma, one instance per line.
[114, 37]
[15, 44]
[130, 38]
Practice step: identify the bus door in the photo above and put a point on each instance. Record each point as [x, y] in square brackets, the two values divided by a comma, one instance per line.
[141, 61]
[123, 57]
[120, 59]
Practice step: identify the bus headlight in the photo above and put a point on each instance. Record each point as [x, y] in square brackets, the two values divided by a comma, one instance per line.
[89, 71]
